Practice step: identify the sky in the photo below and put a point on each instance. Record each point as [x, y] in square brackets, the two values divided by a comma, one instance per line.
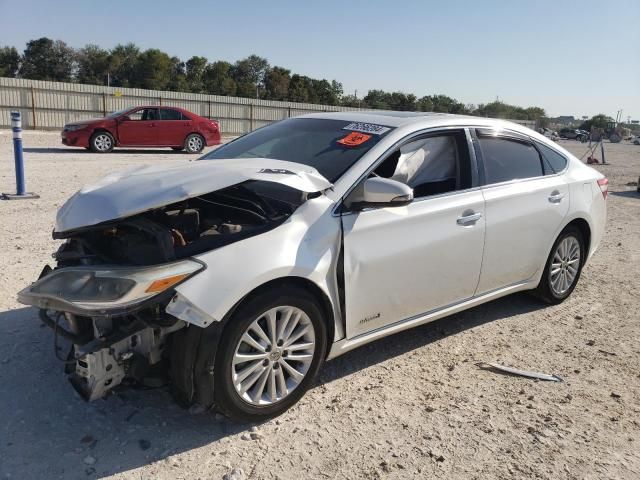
[571, 58]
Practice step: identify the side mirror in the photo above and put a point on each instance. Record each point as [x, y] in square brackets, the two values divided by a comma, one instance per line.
[382, 192]
[125, 118]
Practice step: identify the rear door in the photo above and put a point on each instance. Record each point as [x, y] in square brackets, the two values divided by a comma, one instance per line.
[525, 203]
[138, 128]
[173, 127]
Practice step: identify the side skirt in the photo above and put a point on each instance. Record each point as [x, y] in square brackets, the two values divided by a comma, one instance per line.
[343, 346]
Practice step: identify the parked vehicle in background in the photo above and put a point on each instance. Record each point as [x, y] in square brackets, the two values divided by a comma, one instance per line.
[636, 141]
[550, 134]
[146, 126]
[574, 134]
[241, 273]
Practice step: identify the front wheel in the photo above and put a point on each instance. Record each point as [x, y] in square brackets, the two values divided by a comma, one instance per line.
[269, 354]
[101, 142]
[194, 143]
[563, 268]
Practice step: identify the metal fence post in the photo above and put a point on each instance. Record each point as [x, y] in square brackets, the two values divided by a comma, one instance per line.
[16, 128]
[34, 122]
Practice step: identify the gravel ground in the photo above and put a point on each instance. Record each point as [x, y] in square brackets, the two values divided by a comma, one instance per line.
[412, 405]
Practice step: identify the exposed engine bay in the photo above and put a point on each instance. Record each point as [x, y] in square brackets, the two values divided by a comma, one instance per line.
[134, 343]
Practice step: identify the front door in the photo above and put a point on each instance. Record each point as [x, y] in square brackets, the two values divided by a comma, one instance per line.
[400, 262]
[138, 128]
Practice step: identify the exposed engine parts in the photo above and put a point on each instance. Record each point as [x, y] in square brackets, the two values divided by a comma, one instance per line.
[106, 350]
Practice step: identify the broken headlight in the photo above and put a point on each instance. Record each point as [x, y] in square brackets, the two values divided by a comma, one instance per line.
[103, 289]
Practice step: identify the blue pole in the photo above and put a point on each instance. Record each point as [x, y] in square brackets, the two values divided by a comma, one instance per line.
[16, 127]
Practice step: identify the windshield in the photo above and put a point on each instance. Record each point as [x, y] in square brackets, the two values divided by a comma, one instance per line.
[329, 146]
[117, 113]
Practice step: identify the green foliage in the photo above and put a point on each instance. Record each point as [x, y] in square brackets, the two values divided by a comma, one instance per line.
[45, 59]
[597, 121]
[253, 77]
[94, 64]
[9, 62]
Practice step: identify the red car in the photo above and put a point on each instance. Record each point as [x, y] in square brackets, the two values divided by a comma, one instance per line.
[144, 127]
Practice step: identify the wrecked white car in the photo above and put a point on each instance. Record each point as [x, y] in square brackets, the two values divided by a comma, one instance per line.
[234, 277]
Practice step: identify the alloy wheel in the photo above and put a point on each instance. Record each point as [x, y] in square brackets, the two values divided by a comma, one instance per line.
[565, 265]
[195, 144]
[102, 142]
[273, 355]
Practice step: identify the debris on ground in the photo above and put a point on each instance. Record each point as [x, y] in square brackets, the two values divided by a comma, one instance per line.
[521, 373]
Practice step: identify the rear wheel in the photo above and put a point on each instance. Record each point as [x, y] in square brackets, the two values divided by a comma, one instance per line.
[194, 143]
[269, 354]
[563, 268]
[101, 142]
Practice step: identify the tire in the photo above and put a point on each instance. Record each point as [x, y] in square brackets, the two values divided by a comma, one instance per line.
[553, 288]
[260, 401]
[177, 149]
[101, 142]
[194, 143]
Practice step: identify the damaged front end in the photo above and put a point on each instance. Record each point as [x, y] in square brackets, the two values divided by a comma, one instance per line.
[115, 277]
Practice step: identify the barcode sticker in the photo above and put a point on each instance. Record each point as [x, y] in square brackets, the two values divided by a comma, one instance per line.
[367, 128]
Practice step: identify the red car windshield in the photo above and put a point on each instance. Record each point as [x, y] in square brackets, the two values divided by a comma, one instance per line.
[329, 146]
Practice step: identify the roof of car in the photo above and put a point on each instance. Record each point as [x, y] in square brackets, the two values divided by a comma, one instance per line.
[398, 119]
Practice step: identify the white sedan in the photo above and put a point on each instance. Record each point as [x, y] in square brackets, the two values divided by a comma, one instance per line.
[238, 275]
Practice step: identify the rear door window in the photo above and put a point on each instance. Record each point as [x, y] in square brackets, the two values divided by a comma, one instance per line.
[507, 158]
[171, 114]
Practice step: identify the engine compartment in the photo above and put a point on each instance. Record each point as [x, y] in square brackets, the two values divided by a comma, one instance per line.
[182, 229]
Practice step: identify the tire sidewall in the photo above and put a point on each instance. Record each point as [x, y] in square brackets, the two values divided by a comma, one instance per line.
[570, 231]
[227, 399]
[92, 146]
[186, 143]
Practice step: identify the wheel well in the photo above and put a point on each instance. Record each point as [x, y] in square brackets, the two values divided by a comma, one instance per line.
[101, 129]
[308, 285]
[582, 225]
[204, 140]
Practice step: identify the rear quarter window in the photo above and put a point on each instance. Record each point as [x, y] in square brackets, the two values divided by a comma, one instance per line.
[508, 159]
[554, 162]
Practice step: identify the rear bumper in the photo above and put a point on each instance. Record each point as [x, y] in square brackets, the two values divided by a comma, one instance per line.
[212, 138]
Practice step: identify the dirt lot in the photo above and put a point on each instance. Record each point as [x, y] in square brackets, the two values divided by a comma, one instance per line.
[410, 406]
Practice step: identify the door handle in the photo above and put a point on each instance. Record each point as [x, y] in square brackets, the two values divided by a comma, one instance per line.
[151, 125]
[556, 197]
[469, 219]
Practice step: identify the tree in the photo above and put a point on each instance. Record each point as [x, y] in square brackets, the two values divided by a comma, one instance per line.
[93, 65]
[194, 70]
[217, 79]
[153, 70]
[249, 75]
[276, 83]
[123, 62]
[597, 121]
[299, 89]
[45, 59]
[377, 99]
[9, 62]
[425, 104]
[350, 101]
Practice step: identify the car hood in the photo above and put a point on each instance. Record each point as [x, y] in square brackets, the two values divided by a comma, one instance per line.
[140, 189]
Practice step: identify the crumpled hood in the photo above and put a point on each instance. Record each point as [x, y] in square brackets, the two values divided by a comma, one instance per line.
[140, 189]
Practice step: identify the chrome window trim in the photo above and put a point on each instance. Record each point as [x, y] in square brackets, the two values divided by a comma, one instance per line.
[518, 136]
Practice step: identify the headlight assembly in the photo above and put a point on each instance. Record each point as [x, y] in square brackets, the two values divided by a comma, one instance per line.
[104, 289]
[73, 128]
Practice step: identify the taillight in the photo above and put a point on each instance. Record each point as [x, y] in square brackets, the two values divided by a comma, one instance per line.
[603, 183]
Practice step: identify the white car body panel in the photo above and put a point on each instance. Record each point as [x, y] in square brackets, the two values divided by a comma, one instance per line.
[521, 219]
[139, 189]
[400, 262]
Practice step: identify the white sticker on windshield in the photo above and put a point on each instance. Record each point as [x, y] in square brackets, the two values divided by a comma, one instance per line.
[367, 128]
